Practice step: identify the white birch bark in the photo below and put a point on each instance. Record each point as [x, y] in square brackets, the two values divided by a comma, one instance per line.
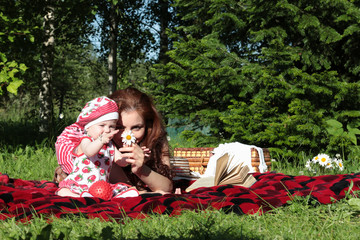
[112, 61]
[47, 57]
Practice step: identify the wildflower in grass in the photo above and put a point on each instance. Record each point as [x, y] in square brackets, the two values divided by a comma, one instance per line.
[308, 165]
[329, 165]
[322, 162]
[315, 159]
[323, 159]
[340, 165]
[338, 162]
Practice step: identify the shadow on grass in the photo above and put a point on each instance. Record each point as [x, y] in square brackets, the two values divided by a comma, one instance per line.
[23, 133]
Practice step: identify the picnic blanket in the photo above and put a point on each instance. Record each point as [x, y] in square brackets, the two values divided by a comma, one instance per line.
[24, 199]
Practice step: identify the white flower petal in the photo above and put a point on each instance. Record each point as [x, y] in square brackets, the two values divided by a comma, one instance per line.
[323, 159]
[128, 138]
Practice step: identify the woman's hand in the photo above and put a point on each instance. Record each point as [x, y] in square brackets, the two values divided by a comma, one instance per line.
[136, 156]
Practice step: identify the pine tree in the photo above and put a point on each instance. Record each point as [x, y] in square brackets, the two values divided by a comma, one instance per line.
[265, 72]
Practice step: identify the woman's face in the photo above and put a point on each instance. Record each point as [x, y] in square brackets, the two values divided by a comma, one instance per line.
[131, 121]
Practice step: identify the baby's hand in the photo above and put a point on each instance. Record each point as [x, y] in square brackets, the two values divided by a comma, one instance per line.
[106, 137]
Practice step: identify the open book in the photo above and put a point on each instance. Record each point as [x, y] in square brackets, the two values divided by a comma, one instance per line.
[225, 174]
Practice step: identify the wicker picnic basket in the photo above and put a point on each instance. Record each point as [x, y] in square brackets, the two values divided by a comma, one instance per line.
[196, 159]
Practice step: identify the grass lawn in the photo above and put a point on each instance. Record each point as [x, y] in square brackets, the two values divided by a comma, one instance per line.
[299, 220]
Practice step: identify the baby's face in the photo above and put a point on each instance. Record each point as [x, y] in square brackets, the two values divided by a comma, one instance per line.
[97, 129]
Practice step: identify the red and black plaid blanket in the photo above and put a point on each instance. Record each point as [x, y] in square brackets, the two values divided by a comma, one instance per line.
[23, 199]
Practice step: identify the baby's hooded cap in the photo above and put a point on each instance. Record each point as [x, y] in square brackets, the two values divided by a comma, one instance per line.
[97, 110]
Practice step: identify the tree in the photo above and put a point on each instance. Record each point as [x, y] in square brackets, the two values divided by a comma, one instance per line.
[47, 56]
[71, 29]
[11, 28]
[76, 67]
[160, 19]
[164, 18]
[265, 73]
[199, 81]
[123, 27]
[112, 59]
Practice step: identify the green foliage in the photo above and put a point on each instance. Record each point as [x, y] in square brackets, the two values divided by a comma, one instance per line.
[197, 138]
[355, 205]
[258, 72]
[197, 85]
[265, 73]
[19, 125]
[11, 28]
[36, 162]
[7, 74]
[347, 140]
[336, 129]
[77, 78]
[134, 38]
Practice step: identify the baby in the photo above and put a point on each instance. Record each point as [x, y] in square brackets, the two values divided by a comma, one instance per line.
[95, 154]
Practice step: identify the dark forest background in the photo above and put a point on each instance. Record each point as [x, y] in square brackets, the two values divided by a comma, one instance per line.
[280, 74]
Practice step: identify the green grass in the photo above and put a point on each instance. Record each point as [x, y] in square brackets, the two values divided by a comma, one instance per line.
[298, 221]
[30, 162]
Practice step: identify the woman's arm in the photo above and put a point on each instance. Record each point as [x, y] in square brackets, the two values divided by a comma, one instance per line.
[117, 175]
[156, 182]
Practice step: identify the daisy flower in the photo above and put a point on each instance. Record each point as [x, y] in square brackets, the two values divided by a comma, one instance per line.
[323, 159]
[308, 165]
[339, 164]
[329, 165]
[315, 159]
[128, 138]
[322, 162]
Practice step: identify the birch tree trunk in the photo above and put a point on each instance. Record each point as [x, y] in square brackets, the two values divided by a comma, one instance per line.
[47, 57]
[112, 62]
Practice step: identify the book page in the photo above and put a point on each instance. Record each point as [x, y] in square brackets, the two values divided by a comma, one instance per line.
[202, 182]
[221, 169]
[211, 181]
[237, 175]
[248, 181]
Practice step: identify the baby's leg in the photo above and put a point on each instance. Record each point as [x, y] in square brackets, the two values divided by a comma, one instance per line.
[65, 192]
[122, 190]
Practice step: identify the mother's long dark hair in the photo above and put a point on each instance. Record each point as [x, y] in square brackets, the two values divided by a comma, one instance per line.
[131, 99]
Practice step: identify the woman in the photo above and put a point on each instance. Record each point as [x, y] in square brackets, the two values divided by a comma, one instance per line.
[149, 167]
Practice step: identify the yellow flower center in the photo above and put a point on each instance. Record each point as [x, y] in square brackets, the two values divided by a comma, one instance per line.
[316, 158]
[323, 160]
[340, 164]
